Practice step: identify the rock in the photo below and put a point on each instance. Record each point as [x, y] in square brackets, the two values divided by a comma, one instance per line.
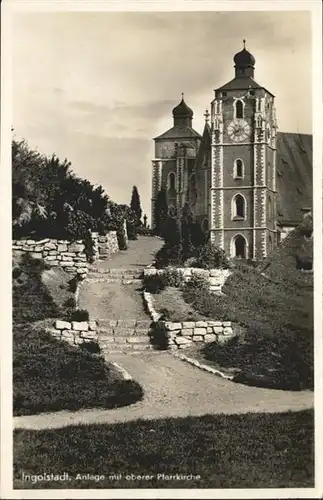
[173, 326]
[50, 246]
[68, 334]
[76, 247]
[88, 334]
[65, 263]
[62, 248]
[81, 264]
[81, 270]
[41, 242]
[187, 331]
[182, 341]
[54, 263]
[226, 323]
[201, 324]
[188, 324]
[223, 338]
[30, 242]
[50, 257]
[36, 255]
[198, 338]
[210, 337]
[209, 329]
[80, 325]
[52, 252]
[62, 325]
[227, 331]
[92, 325]
[199, 331]
[38, 248]
[215, 281]
[68, 254]
[214, 323]
[217, 329]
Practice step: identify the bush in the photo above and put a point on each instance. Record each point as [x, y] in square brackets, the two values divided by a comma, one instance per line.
[173, 277]
[91, 347]
[159, 335]
[168, 255]
[211, 257]
[80, 315]
[154, 283]
[70, 303]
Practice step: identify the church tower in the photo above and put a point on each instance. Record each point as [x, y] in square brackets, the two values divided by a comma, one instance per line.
[175, 153]
[243, 164]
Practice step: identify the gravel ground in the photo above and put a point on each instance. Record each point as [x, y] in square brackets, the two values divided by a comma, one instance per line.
[140, 253]
[112, 301]
[174, 388]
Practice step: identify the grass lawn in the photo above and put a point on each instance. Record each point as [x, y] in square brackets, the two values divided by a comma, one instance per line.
[170, 302]
[274, 304]
[48, 374]
[221, 449]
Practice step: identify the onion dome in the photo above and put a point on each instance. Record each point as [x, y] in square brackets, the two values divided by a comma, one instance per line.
[182, 110]
[243, 58]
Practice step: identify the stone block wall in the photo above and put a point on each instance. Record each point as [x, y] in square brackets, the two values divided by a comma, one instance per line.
[105, 245]
[69, 255]
[63, 253]
[187, 333]
[215, 277]
[75, 332]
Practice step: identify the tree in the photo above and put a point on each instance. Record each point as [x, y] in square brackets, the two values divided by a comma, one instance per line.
[135, 204]
[161, 210]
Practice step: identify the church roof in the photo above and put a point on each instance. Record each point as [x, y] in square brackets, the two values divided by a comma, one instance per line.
[179, 132]
[182, 110]
[294, 176]
[241, 83]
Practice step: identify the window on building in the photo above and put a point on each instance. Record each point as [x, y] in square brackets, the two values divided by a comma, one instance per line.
[239, 247]
[239, 208]
[171, 181]
[238, 168]
[239, 109]
[270, 209]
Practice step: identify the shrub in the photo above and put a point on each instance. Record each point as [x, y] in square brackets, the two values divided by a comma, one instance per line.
[89, 246]
[168, 255]
[172, 277]
[92, 347]
[159, 335]
[70, 303]
[80, 315]
[78, 225]
[210, 256]
[154, 283]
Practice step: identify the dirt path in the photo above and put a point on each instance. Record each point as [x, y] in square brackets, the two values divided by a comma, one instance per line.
[115, 300]
[175, 389]
[112, 301]
[140, 254]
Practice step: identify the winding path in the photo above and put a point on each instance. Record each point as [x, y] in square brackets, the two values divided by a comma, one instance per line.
[173, 388]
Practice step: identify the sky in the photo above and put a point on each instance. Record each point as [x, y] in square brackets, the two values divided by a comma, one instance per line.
[96, 87]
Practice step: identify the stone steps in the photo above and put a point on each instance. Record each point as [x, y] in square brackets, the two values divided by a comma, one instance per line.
[124, 335]
[117, 273]
[122, 280]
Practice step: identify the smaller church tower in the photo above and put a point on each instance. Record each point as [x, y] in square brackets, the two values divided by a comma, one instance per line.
[175, 153]
[243, 164]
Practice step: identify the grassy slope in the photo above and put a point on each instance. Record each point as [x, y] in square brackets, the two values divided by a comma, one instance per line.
[219, 448]
[48, 374]
[274, 302]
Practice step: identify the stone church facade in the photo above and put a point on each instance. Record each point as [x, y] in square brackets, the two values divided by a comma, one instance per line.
[245, 183]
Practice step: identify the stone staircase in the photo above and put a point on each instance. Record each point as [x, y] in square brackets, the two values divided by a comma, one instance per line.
[130, 336]
[125, 276]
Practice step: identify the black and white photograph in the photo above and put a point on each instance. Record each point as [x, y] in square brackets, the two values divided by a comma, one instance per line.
[164, 313]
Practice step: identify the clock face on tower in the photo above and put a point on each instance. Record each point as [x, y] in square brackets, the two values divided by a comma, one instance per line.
[238, 130]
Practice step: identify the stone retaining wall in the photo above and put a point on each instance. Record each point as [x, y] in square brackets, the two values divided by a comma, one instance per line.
[70, 255]
[184, 334]
[75, 332]
[215, 277]
[179, 335]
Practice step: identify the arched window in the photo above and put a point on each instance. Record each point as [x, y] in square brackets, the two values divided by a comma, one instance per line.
[205, 226]
[239, 248]
[238, 168]
[239, 109]
[238, 207]
[171, 181]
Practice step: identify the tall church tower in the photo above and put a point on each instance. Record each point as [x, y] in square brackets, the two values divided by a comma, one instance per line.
[243, 164]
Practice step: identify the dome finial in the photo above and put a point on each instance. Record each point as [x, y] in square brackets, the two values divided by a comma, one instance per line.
[183, 95]
[244, 43]
[207, 116]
